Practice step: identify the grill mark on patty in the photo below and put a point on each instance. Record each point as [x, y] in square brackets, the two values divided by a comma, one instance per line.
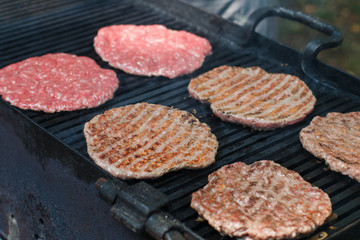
[210, 88]
[155, 140]
[335, 138]
[208, 81]
[159, 151]
[134, 157]
[258, 99]
[285, 111]
[267, 92]
[218, 76]
[246, 86]
[346, 148]
[219, 92]
[260, 103]
[237, 202]
[295, 111]
[98, 132]
[122, 153]
[177, 152]
[304, 105]
[244, 79]
[108, 128]
[147, 133]
[110, 119]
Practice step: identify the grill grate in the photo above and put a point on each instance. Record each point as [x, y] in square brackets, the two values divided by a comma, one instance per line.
[71, 28]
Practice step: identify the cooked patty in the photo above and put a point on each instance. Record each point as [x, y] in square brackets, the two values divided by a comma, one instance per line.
[336, 139]
[253, 97]
[57, 82]
[261, 201]
[148, 140]
[151, 50]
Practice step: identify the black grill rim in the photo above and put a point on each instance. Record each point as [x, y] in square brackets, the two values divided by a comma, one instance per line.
[67, 127]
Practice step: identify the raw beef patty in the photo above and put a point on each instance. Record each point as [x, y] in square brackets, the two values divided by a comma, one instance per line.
[336, 139]
[151, 50]
[148, 140]
[253, 97]
[261, 201]
[57, 82]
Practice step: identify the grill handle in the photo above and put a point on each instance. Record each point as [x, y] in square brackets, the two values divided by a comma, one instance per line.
[308, 62]
[141, 208]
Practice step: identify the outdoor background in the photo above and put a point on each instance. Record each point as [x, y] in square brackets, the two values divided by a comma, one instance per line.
[343, 14]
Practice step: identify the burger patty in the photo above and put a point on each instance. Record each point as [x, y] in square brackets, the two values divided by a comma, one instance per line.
[57, 82]
[253, 97]
[261, 201]
[336, 139]
[148, 140]
[151, 50]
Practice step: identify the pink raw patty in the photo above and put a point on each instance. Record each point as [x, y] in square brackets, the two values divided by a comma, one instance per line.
[57, 82]
[151, 50]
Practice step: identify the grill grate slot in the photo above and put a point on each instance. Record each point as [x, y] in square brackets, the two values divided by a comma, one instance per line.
[10, 10]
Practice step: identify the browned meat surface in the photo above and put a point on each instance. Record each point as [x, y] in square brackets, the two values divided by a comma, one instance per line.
[336, 139]
[148, 140]
[261, 201]
[253, 97]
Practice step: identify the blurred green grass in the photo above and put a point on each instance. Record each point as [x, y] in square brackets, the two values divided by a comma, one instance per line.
[343, 14]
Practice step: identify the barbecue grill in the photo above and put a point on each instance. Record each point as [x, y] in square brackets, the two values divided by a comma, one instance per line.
[49, 187]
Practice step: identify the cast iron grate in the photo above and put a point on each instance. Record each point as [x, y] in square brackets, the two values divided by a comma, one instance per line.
[72, 27]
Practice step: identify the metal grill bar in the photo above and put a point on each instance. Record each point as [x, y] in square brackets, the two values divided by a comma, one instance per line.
[10, 10]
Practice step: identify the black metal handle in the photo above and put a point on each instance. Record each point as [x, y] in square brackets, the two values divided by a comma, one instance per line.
[312, 50]
[140, 208]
